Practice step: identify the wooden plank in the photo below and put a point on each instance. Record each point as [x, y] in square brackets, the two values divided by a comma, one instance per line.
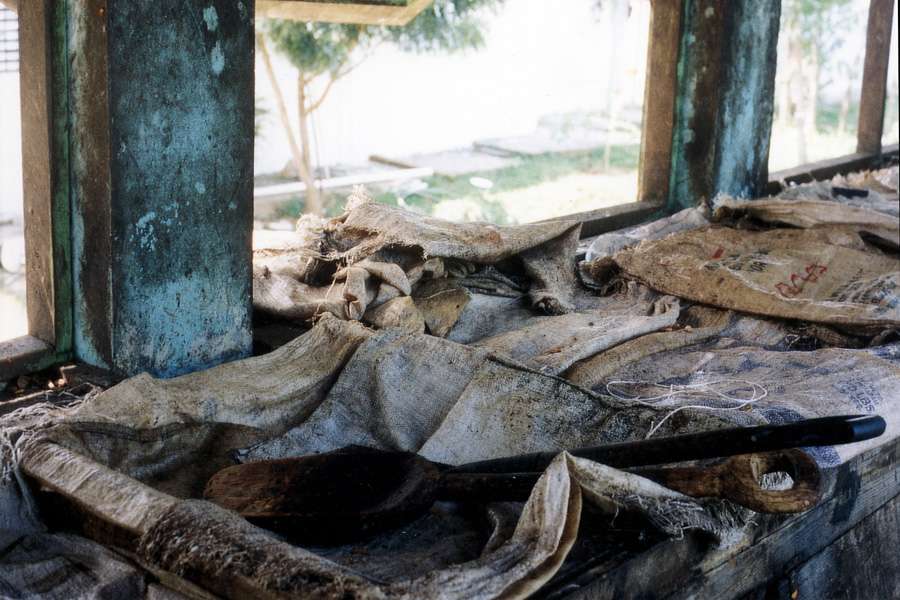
[692, 567]
[22, 355]
[602, 220]
[362, 13]
[863, 564]
[35, 39]
[824, 170]
[126, 507]
[874, 82]
[90, 158]
[46, 201]
[659, 100]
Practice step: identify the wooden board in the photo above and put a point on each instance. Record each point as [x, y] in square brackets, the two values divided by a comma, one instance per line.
[875, 70]
[863, 563]
[361, 12]
[694, 568]
[659, 101]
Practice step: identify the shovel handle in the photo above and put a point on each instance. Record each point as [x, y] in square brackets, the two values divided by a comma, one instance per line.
[822, 431]
[736, 479]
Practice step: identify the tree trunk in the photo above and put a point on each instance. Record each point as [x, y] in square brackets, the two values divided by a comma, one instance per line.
[812, 97]
[845, 108]
[617, 16]
[296, 155]
[313, 197]
[797, 91]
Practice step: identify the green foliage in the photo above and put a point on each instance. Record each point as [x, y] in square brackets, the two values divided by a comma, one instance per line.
[445, 26]
[259, 114]
[318, 48]
[820, 25]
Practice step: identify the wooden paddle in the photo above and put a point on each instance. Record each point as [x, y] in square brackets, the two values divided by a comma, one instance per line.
[354, 492]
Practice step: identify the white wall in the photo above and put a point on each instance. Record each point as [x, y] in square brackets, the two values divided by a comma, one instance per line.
[541, 57]
[10, 147]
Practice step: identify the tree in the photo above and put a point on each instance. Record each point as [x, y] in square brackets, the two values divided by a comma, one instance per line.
[811, 31]
[323, 53]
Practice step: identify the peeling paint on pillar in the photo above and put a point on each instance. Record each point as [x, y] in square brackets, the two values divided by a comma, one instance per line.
[724, 102]
[179, 116]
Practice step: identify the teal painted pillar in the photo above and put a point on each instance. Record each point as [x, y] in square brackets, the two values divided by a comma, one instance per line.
[724, 99]
[161, 149]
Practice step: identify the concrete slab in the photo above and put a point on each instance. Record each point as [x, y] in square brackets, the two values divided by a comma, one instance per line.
[451, 163]
[541, 142]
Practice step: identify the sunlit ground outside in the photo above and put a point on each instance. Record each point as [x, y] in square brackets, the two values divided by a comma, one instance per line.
[540, 121]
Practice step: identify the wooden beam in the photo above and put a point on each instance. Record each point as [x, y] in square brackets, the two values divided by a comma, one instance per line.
[824, 170]
[37, 161]
[603, 220]
[659, 100]
[723, 115]
[874, 82]
[354, 12]
[692, 568]
[46, 192]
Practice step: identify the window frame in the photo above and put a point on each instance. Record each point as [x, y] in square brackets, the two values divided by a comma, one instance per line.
[42, 72]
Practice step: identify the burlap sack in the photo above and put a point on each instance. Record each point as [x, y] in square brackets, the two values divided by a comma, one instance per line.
[807, 214]
[339, 383]
[818, 275]
[374, 253]
[701, 367]
[607, 244]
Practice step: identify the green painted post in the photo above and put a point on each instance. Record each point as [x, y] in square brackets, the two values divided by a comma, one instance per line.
[162, 182]
[724, 99]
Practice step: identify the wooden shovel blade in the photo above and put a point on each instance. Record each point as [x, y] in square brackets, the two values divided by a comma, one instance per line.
[328, 498]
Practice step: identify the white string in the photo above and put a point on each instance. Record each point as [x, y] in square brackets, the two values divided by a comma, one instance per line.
[688, 391]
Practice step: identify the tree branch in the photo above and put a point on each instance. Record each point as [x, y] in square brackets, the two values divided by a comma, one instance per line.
[332, 78]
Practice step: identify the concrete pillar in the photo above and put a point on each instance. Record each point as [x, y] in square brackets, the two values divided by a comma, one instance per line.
[724, 99]
[161, 147]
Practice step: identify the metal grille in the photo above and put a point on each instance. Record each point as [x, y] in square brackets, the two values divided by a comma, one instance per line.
[9, 41]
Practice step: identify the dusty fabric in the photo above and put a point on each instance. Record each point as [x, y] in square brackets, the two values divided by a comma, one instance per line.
[374, 253]
[505, 316]
[818, 275]
[882, 181]
[807, 214]
[661, 368]
[64, 566]
[341, 383]
[608, 244]
[390, 396]
[552, 344]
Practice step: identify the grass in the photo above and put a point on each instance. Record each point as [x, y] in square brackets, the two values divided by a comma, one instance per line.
[529, 172]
